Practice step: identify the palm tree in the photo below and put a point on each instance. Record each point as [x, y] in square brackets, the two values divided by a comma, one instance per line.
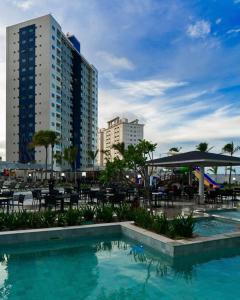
[120, 147]
[70, 156]
[230, 148]
[175, 149]
[92, 156]
[41, 139]
[53, 138]
[213, 170]
[58, 157]
[204, 147]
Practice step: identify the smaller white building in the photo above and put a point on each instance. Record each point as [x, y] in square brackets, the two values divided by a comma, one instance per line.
[118, 131]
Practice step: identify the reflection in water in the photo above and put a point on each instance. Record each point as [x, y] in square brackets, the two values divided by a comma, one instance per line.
[32, 273]
[91, 269]
[4, 288]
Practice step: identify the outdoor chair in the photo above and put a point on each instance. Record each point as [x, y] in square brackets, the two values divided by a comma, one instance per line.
[74, 198]
[117, 199]
[6, 194]
[36, 195]
[50, 202]
[85, 194]
[101, 197]
[92, 196]
[18, 201]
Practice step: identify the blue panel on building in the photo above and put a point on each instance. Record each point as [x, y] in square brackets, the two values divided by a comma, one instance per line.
[75, 42]
[26, 92]
[77, 111]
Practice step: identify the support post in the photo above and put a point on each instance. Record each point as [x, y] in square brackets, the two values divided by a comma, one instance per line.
[190, 176]
[201, 185]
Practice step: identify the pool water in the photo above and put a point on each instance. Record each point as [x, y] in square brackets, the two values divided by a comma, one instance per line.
[113, 269]
[211, 226]
[226, 213]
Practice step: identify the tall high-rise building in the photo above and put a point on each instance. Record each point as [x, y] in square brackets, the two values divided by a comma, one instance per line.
[118, 131]
[50, 85]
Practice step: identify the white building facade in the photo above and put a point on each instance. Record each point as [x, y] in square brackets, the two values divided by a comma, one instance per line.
[50, 85]
[118, 131]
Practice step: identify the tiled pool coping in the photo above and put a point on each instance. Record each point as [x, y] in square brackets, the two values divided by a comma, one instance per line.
[173, 248]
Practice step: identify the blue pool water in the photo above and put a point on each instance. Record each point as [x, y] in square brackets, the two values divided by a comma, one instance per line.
[211, 226]
[108, 269]
[227, 213]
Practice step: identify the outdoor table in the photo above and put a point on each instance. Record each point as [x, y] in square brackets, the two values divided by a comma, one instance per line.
[6, 200]
[61, 198]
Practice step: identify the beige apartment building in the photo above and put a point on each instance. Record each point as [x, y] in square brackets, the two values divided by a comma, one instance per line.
[118, 131]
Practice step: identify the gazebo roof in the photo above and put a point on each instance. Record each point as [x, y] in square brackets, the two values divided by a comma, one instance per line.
[196, 158]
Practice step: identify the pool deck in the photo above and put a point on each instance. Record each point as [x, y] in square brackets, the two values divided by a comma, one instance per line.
[170, 247]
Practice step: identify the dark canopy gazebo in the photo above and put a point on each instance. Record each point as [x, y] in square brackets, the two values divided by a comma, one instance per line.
[196, 159]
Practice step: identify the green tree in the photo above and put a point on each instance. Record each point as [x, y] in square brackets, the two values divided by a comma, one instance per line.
[204, 147]
[213, 170]
[53, 138]
[92, 155]
[231, 149]
[175, 149]
[70, 156]
[135, 159]
[58, 157]
[120, 147]
[41, 139]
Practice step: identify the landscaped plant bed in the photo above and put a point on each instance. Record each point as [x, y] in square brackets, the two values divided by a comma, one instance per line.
[179, 227]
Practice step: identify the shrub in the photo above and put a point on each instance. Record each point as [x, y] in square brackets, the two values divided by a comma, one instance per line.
[104, 214]
[73, 217]
[61, 219]
[161, 224]
[88, 213]
[143, 218]
[49, 218]
[182, 226]
[124, 213]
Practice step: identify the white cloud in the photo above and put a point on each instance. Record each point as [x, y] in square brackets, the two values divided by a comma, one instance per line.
[110, 61]
[184, 120]
[218, 21]
[142, 88]
[236, 30]
[199, 30]
[24, 4]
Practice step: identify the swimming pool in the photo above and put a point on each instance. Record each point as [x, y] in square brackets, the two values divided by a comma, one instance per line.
[112, 269]
[230, 213]
[213, 226]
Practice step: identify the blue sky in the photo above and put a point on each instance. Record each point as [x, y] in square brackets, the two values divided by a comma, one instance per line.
[173, 64]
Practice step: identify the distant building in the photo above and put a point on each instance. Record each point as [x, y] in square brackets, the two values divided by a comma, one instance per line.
[118, 131]
[50, 85]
